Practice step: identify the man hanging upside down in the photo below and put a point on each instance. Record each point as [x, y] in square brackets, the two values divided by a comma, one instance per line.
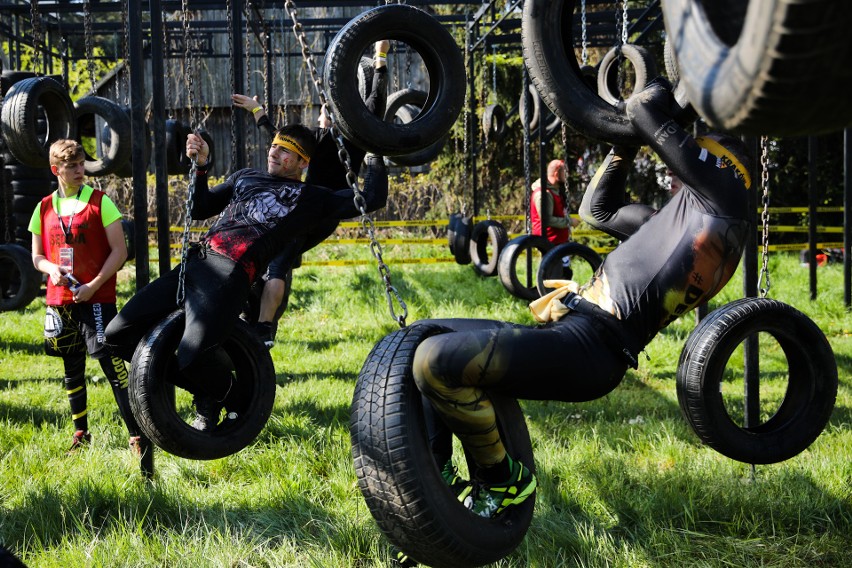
[669, 262]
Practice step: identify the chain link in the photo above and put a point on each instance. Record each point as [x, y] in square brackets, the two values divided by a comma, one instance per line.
[367, 223]
[525, 122]
[35, 18]
[184, 246]
[231, 32]
[87, 34]
[189, 64]
[125, 48]
[584, 56]
[624, 23]
[764, 182]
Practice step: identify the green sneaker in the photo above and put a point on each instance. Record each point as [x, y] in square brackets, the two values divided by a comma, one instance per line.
[491, 500]
[458, 485]
[402, 560]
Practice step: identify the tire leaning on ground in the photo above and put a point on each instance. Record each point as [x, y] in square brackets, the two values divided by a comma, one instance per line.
[767, 67]
[460, 243]
[116, 155]
[399, 478]
[487, 235]
[507, 264]
[551, 267]
[22, 107]
[811, 389]
[152, 393]
[441, 57]
[20, 282]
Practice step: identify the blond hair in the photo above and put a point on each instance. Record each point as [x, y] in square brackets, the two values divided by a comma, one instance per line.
[65, 150]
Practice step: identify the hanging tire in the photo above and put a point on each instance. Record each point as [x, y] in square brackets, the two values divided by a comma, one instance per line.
[765, 68]
[809, 397]
[507, 265]
[441, 57]
[366, 70]
[460, 245]
[404, 106]
[398, 476]
[152, 393]
[494, 123]
[20, 282]
[487, 235]
[117, 152]
[185, 163]
[644, 69]
[126, 171]
[535, 112]
[22, 106]
[584, 262]
[548, 47]
[176, 161]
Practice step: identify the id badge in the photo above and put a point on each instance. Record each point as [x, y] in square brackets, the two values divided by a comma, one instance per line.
[66, 260]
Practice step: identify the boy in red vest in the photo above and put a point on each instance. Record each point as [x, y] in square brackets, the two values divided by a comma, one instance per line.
[79, 243]
[548, 210]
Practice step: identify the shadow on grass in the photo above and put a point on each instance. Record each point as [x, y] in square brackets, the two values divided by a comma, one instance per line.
[33, 348]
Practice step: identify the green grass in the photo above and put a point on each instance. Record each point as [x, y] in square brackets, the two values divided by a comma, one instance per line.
[623, 480]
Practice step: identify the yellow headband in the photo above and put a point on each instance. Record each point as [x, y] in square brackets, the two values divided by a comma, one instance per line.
[726, 157]
[289, 144]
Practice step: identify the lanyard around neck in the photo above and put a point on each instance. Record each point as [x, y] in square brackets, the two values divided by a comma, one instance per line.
[67, 230]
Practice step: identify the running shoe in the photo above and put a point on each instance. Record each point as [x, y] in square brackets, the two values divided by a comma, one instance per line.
[458, 485]
[81, 438]
[207, 412]
[488, 500]
[402, 560]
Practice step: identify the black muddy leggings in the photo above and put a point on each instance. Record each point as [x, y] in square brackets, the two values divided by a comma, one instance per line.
[215, 292]
[572, 360]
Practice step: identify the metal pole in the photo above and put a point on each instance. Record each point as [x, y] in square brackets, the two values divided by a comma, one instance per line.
[159, 123]
[137, 124]
[238, 125]
[473, 131]
[751, 359]
[847, 217]
[812, 215]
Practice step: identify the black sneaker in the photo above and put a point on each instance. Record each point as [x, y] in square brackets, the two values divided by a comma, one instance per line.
[207, 412]
[263, 329]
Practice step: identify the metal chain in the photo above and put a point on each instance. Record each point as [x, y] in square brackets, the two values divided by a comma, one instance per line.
[231, 31]
[87, 34]
[285, 79]
[169, 73]
[525, 122]
[184, 246]
[35, 18]
[624, 23]
[125, 48]
[467, 161]
[367, 223]
[764, 182]
[190, 192]
[620, 15]
[188, 64]
[408, 67]
[248, 45]
[494, 74]
[584, 57]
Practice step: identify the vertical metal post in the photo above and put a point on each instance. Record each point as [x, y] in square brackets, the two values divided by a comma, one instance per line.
[812, 214]
[847, 217]
[268, 71]
[158, 120]
[751, 360]
[237, 124]
[137, 124]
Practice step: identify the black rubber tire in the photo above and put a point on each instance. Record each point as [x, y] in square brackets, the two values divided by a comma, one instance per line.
[152, 392]
[20, 282]
[551, 263]
[487, 235]
[494, 123]
[398, 476]
[185, 162]
[811, 389]
[126, 171]
[451, 231]
[10, 76]
[366, 70]
[644, 69]
[404, 106]
[129, 230]
[117, 153]
[535, 113]
[507, 264]
[461, 240]
[22, 107]
[176, 161]
[35, 188]
[9, 560]
[441, 57]
[767, 67]
[26, 203]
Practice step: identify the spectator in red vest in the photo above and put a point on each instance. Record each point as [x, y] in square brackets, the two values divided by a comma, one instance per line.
[79, 243]
[548, 209]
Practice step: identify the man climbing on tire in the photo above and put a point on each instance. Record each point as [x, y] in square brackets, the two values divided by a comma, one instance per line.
[259, 212]
[674, 259]
[326, 170]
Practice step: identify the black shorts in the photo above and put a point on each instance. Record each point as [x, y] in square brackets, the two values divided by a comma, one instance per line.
[77, 328]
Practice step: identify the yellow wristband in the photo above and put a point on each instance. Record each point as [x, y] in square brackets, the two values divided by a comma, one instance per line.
[382, 54]
[256, 110]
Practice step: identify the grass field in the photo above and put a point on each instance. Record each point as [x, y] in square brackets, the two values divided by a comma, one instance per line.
[623, 481]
